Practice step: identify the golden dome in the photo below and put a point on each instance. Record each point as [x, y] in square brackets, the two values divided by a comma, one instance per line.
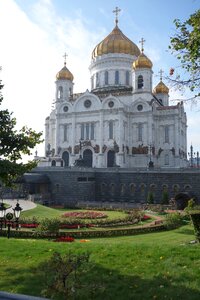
[161, 88]
[142, 62]
[65, 74]
[116, 42]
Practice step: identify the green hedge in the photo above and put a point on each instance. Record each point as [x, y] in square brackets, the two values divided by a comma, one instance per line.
[85, 234]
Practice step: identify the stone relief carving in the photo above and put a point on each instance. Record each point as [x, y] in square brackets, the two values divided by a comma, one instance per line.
[140, 150]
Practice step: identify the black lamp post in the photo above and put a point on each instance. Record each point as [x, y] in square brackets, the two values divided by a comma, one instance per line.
[17, 212]
[2, 214]
[8, 219]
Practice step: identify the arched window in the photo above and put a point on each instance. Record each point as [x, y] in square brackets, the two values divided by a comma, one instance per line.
[106, 77]
[97, 79]
[127, 78]
[166, 134]
[70, 91]
[140, 82]
[112, 188]
[122, 189]
[140, 132]
[92, 131]
[116, 77]
[132, 188]
[53, 163]
[111, 130]
[103, 188]
[166, 159]
[65, 133]
[92, 82]
[60, 92]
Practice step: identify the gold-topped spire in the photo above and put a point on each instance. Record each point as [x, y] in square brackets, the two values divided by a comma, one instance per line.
[142, 44]
[65, 58]
[161, 88]
[116, 12]
[64, 73]
[161, 73]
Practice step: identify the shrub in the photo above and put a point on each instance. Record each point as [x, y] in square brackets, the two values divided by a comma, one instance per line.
[165, 197]
[195, 217]
[49, 225]
[173, 220]
[150, 197]
[62, 275]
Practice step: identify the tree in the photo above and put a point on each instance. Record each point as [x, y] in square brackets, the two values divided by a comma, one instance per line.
[185, 44]
[14, 144]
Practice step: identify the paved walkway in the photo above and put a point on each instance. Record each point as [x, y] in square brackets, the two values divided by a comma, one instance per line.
[24, 204]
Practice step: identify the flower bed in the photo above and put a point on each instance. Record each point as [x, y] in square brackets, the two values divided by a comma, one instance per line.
[85, 215]
[66, 239]
[29, 225]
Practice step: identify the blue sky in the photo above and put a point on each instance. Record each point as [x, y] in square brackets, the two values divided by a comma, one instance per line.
[36, 33]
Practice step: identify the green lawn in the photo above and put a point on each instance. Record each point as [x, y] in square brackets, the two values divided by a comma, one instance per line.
[161, 265]
[46, 212]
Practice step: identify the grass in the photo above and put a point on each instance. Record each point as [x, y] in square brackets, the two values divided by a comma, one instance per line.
[46, 212]
[161, 265]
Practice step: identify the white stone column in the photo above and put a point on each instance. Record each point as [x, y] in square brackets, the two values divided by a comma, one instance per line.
[57, 134]
[73, 132]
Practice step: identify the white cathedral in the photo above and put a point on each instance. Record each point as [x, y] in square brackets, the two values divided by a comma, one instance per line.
[122, 121]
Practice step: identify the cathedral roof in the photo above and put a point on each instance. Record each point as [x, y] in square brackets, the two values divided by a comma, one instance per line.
[116, 42]
[142, 62]
[161, 88]
[64, 74]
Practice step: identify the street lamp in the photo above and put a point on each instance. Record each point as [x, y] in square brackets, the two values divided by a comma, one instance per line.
[9, 218]
[17, 212]
[2, 214]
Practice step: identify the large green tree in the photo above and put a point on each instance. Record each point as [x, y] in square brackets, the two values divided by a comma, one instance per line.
[13, 145]
[185, 44]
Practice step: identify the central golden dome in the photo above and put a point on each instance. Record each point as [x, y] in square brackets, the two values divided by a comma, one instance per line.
[116, 42]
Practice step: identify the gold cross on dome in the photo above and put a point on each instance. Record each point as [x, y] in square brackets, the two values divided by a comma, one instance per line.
[116, 12]
[161, 73]
[142, 44]
[65, 57]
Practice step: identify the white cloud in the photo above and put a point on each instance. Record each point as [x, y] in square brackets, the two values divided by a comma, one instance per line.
[31, 55]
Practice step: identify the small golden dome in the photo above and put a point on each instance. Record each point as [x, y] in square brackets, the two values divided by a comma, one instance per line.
[161, 88]
[64, 74]
[142, 62]
[116, 42]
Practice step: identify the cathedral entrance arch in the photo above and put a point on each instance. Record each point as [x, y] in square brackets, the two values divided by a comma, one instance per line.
[87, 157]
[65, 157]
[111, 158]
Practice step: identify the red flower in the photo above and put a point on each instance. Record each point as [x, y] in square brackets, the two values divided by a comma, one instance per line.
[67, 239]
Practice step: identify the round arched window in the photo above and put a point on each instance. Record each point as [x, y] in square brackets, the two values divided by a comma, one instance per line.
[110, 104]
[140, 107]
[65, 108]
[87, 103]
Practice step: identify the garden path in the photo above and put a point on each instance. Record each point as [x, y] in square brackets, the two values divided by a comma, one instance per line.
[25, 204]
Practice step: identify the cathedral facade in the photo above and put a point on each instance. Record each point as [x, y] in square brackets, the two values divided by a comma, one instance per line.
[122, 121]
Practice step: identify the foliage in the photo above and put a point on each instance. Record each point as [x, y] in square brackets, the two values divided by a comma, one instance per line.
[191, 203]
[62, 274]
[173, 220]
[85, 215]
[165, 197]
[150, 197]
[195, 217]
[14, 144]
[49, 226]
[186, 45]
